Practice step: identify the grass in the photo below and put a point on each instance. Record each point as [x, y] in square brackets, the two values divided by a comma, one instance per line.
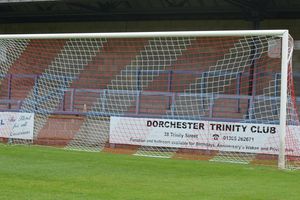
[47, 173]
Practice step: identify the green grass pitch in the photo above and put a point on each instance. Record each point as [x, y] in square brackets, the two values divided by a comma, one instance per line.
[31, 172]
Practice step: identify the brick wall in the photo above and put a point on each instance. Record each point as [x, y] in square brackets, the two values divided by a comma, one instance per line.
[59, 130]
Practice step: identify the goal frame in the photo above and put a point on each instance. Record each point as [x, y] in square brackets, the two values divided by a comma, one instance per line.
[283, 34]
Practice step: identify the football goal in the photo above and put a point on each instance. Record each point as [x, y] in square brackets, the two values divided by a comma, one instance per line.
[224, 96]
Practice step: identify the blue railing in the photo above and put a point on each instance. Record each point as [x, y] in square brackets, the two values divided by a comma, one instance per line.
[15, 105]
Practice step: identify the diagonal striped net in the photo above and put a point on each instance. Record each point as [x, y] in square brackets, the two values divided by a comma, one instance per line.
[215, 98]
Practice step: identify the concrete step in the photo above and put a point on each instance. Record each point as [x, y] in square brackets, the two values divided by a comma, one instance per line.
[94, 133]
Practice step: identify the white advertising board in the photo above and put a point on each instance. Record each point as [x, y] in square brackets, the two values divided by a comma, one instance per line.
[207, 135]
[16, 125]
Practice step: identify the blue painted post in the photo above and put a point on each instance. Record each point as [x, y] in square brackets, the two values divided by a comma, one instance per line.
[35, 92]
[138, 79]
[103, 100]
[211, 105]
[138, 101]
[277, 79]
[72, 98]
[251, 107]
[170, 79]
[10, 76]
[238, 91]
[19, 104]
[138, 90]
[276, 91]
[173, 104]
[203, 89]
[64, 94]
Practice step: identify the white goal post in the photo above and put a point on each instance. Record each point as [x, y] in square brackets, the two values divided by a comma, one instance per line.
[283, 98]
[215, 95]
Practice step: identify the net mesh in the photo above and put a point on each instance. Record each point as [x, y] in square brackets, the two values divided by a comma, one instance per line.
[213, 98]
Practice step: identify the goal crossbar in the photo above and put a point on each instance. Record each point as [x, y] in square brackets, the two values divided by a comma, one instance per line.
[147, 34]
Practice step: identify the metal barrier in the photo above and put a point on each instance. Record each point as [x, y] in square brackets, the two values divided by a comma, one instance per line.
[15, 105]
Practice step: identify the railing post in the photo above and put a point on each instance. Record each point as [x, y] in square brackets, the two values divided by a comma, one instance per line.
[35, 91]
[72, 98]
[203, 83]
[9, 81]
[251, 107]
[276, 93]
[203, 90]
[138, 101]
[103, 100]
[19, 104]
[170, 79]
[211, 105]
[138, 79]
[173, 104]
[238, 91]
[64, 94]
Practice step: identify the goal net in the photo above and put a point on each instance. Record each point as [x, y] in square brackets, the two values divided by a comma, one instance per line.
[217, 95]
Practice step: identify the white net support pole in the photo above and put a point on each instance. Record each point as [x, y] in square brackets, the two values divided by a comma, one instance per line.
[283, 100]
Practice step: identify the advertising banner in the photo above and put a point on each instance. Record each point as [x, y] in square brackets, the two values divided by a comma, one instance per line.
[16, 125]
[207, 135]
